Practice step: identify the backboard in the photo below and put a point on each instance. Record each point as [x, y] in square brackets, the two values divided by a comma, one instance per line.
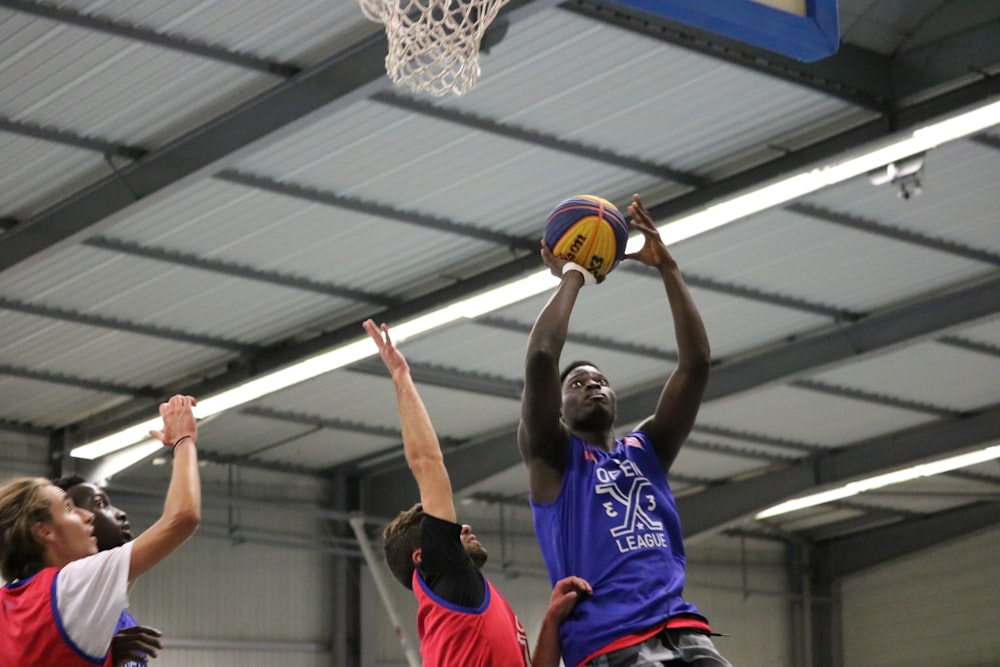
[805, 30]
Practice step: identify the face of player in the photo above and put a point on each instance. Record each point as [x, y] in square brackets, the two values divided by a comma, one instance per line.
[476, 551]
[589, 402]
[111, 526]
[69, 534]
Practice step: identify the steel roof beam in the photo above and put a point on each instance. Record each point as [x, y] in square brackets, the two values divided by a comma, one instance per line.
[715, 507]
[850, 555]
[67, 138]
[234, 269]
[75, 381]
[127, 326]
[895, 233]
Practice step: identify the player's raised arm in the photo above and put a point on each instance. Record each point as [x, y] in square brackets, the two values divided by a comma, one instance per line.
[681, 396]
[182, 507]
[420, 442]
[541, 435]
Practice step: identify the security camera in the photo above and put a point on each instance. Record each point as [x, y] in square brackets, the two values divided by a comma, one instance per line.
[905, 174]
[909, 186]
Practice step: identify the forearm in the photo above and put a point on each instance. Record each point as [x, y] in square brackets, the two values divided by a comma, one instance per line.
[420, 441]
[547, 650]
[423, 450]
[181, 513]
[548, 335]
[183, 501]
[693, 349]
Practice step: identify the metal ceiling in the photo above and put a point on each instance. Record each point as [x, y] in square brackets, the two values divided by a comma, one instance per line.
[197, 193]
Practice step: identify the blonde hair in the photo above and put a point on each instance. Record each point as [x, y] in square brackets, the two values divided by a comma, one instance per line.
[23, 503]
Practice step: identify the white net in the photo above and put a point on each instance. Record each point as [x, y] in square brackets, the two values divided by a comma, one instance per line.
[433, 44]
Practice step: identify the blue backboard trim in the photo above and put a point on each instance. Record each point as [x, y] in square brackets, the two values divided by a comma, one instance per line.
[807, 38]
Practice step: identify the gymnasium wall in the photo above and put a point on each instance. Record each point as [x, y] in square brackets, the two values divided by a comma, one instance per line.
[938, 608]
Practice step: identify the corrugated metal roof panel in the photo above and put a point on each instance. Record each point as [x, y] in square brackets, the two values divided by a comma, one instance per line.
[49, 405]
[238, 434]
[371, 400]
[34, 172]
[218, 220]
[785, 253]
[930, 373]
[703, 464]
[380, 153]
[957, 177]
[95, 353]
[301, 32]
[105, 86]
[634, 309]
[807, 417]
[96, 281]
[987, 333]
[573, 77]
[326, 448]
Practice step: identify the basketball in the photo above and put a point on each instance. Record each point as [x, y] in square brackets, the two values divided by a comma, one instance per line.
[588, 231]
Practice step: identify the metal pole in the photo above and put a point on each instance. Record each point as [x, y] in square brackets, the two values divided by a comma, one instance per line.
[358, 526]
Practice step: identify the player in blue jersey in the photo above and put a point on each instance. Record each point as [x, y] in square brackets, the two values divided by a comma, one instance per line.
[461, 618]
[602, 507]
[132, 643]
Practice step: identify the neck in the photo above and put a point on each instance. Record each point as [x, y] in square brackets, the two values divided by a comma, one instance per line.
[604, 439]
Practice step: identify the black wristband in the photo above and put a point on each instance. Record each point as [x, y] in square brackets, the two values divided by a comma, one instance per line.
[180, 440]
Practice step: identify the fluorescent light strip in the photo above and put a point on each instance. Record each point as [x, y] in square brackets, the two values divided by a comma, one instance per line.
[711, 217]
[887, 479]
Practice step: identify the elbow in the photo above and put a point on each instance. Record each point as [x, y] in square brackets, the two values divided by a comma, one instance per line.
[185, 521]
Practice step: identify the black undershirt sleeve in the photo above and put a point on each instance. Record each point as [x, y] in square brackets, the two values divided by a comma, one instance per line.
[445, 566]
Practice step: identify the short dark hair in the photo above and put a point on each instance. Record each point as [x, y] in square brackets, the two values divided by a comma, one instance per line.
[574, 365]
[400, 539]
[68, 482]
[23, 503]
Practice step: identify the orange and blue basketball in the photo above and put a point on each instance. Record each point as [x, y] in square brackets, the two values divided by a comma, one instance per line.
[589, 231]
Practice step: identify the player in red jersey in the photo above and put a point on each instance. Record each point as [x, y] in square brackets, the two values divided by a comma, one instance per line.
[63, 598]
[461, 618]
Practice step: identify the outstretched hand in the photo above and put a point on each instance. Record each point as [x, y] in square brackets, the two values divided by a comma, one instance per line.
[654, 251]
[391, 357]
[178, 420]
[135, 644]
[565, 595]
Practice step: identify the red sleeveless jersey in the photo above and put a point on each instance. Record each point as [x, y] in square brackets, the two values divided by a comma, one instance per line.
[31, 632]
[450, 635]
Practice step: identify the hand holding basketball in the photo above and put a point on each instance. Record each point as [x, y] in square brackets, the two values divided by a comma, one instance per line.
[588, 231]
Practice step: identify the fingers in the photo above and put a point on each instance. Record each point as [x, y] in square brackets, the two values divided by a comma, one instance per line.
[374, 332]
[379, 334]
[568, 584]
[139, 630]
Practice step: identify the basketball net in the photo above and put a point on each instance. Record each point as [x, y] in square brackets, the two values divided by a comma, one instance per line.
[433, 44]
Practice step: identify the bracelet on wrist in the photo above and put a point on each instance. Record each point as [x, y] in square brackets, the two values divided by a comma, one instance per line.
[180, 440]
[588, 277]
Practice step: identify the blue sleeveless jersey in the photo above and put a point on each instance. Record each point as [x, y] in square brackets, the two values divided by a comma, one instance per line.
[615, 524]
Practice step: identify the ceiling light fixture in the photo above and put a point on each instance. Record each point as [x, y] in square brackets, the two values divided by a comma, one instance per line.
[716, 215]
[878, 481]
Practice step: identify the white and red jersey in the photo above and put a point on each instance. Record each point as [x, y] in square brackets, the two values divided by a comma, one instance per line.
[65, 617]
